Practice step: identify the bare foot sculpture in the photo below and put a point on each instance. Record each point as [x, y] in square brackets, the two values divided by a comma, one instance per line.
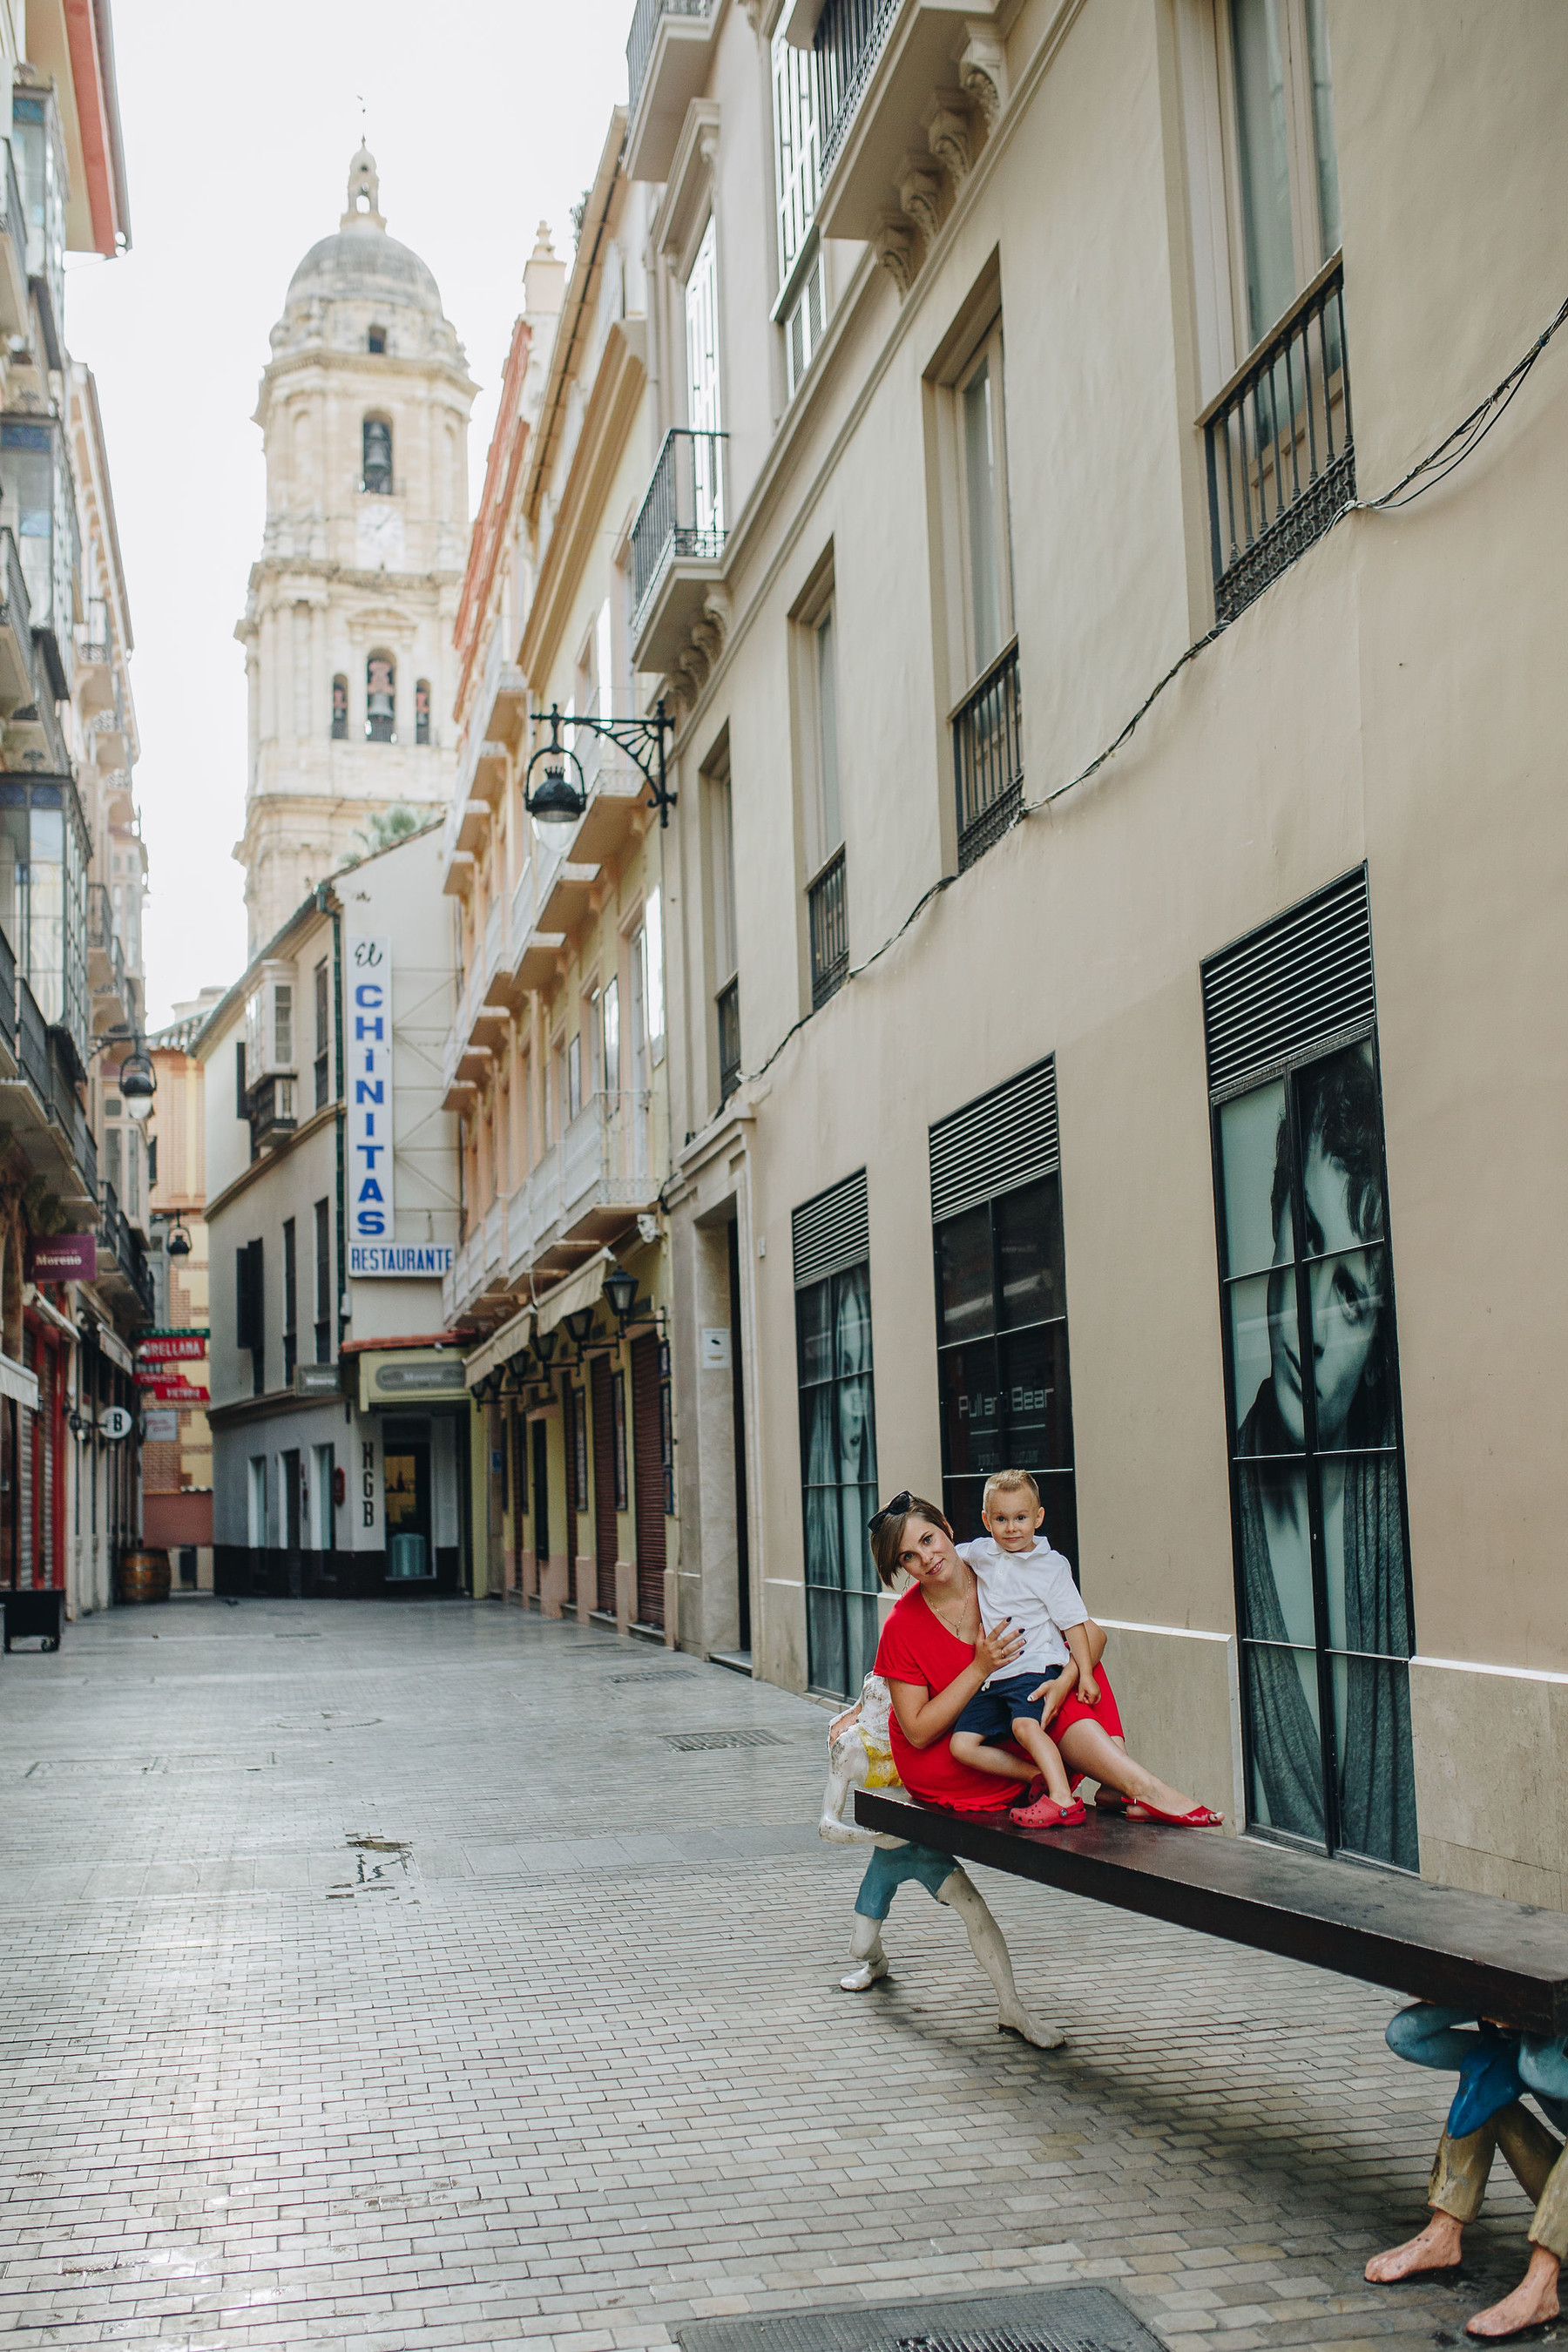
[1498, 2066]
[861, 1757]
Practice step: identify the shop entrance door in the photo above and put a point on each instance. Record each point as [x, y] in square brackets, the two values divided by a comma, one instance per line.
[604, 1525]
[291, 1466]
[406, 1483]
[647, 1455]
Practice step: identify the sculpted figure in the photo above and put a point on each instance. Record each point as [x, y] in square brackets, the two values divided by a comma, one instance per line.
[859, 1756]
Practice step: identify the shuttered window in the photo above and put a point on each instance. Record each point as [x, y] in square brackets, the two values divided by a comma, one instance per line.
[1317, 1471]
[1001, 1297]
[838, 1433]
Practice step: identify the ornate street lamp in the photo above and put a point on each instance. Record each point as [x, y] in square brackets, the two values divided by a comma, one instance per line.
[557, 807]
[138, 1081]
[621, 1290]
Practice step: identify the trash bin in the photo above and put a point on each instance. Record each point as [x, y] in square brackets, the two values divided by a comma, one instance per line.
[406, 1560]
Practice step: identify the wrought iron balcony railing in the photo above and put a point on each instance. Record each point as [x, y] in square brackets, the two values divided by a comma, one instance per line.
[828, 910]
[729, 1039]
[32, 1040]
[645, 26]
[988, 758]
[1281, 446]
[683, 513]
[7, 993]
[848, 41]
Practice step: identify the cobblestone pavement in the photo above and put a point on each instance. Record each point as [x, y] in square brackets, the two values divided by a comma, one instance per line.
[569, 2066]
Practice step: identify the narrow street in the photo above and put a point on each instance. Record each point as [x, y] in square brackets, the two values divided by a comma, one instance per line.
[384, 1977]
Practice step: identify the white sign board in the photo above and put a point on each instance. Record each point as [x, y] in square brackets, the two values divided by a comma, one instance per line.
[409, 1260]
[369, 981]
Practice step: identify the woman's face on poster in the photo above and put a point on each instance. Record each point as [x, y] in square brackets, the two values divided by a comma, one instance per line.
[1345, 1287]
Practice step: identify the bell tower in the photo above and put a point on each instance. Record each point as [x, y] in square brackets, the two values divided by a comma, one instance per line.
[348, 623]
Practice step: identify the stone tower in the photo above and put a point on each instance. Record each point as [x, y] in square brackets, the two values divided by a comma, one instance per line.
[348, 622]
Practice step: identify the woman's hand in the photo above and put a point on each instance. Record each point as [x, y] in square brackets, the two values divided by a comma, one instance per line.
[995, 1651]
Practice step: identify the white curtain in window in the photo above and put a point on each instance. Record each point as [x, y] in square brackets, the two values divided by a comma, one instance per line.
[704, 409]
[798, 145]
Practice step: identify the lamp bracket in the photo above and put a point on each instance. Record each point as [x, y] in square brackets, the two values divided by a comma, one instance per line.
[643, 741]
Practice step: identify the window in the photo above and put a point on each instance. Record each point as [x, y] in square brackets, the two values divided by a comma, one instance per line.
[837, 1433]
[797, 140]
[323, 1034]
[323, 1285]
[827, 905]
[339, 709]
[241, 1098]
[983, 481]
[323, 1527]
[133, 1173]
[1285, 169]
[249, 1320]
[612, 1035]
[255, 1502]
[283, 1026]
[594, 1015]
[650, 964]
[1003, 1386]
[291, 1303]
[1317, 1468]
[113, 1164]
[575, 1075]
[376, 341]
[377, 455]
[720, 809]
[421, 710]
[381, 699]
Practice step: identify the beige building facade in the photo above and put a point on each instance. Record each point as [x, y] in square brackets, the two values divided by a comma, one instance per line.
[557, 1063]
[348, 624]
[1027, 1103]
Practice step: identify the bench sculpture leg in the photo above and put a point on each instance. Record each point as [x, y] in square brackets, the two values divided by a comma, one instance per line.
[1437, 2037]
[858, 1757]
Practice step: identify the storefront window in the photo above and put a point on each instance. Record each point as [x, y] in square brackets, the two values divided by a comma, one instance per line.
[1318, 1490]
[838, 1457]
[43, 896]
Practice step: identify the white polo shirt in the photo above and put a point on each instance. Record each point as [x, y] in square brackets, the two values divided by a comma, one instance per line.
[1036, 1589]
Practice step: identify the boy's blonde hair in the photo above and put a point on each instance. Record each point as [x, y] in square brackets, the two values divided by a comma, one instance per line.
[1009, 1481]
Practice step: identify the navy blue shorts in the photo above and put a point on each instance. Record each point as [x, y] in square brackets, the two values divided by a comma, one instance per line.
[993, 1711]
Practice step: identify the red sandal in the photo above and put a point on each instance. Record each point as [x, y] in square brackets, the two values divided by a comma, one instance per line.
[1202, 1817]
[1047, 1814]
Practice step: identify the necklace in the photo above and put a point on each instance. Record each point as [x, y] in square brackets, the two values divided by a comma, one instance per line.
[956, 1630]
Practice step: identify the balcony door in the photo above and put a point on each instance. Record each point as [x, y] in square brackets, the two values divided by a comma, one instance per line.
[703, 407]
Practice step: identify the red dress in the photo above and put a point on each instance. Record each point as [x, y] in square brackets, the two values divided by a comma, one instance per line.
[916, 1647]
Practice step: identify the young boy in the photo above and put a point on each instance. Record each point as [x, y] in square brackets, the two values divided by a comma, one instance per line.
[1031, 1587]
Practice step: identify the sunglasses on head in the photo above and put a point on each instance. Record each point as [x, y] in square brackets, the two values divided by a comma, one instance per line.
[899, 1504]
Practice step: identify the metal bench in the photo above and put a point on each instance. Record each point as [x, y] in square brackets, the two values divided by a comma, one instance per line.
[1506, 1961]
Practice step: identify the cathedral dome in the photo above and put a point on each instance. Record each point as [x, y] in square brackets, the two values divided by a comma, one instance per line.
[361, 263]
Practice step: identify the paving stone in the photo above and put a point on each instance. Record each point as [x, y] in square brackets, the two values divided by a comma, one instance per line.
[571, 2068]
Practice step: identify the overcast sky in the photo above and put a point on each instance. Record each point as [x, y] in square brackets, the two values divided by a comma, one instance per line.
[485, 116]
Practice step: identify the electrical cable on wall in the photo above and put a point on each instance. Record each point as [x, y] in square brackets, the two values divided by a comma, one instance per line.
[1434, 467]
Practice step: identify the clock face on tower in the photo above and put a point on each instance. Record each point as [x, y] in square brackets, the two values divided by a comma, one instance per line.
[380, 537]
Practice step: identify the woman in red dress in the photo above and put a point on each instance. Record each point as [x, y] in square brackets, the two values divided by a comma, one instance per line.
[934, 1654]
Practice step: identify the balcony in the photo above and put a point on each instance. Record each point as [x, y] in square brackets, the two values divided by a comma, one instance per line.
[105, 961]
[502, 704]
[14, 319]
[667, 66]
[988, 759]
[678, 543]
[7, 1009]
[907, 87]
[274, 1110]
[481, 769]
[36, 488]
[26, 692]
[122, 1266]
[1281, 447]
[39, 1104]
[828, 916]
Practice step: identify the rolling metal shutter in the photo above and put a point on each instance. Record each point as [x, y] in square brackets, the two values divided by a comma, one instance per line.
[832, 1232]
[1300, 986]
[1006, 1139]
[648, 1466]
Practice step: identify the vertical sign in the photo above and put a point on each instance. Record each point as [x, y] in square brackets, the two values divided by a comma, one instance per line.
[369, 1076]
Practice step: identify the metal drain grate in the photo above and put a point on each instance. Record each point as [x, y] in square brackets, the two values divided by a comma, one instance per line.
[659, 1675]
[689, 1739]
[1056, 2319]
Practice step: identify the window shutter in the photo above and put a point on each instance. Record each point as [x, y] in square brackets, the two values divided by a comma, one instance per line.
[1006, 1139]
[1301, 984]
[832, 1232]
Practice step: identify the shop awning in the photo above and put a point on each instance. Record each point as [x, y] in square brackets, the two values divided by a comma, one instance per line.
[500, 1347]
[584, 1289]
[393, 1377]
[17, 1381]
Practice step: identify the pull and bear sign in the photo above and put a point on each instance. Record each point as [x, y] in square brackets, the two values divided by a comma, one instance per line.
[372, 1206]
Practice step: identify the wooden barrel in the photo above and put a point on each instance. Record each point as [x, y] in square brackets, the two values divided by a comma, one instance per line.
[144, 1575]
